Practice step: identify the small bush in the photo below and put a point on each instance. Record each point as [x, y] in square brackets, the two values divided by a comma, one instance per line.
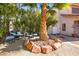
[1, 32]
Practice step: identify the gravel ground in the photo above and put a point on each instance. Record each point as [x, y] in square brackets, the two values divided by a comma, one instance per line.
[16, 49]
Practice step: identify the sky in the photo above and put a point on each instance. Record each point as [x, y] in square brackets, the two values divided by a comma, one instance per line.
[39, 6]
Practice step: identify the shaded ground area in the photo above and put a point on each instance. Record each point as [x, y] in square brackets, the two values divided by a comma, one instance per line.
[74, 40]
[67, 49]
[12, 47]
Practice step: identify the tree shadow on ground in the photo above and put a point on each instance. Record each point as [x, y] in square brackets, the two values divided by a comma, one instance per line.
[14, 46]
[65, 38]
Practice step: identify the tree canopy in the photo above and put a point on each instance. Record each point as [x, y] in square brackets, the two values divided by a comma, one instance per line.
[26, 16]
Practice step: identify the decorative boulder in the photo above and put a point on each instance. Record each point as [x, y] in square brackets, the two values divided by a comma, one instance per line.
[36, 49]
[56, 45]
[50, 42]
[57, 40]
[43, 46]
[26, 42]
[46, 49]
[29, 45]
[40, 43]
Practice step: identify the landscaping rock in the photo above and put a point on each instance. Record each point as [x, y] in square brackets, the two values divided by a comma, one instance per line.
[46, 49]
[26, 42]
[42, 46]
[29, 45]
[36, 49]
[50, 42]
[56, 45]
[41, 43]
[57, 40]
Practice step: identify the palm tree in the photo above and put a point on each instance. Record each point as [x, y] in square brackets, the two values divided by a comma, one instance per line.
[43, 31]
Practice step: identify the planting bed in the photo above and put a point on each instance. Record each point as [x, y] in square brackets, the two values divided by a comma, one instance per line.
[37, 46]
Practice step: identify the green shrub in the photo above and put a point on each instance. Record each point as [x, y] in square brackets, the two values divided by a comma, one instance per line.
[2, 31]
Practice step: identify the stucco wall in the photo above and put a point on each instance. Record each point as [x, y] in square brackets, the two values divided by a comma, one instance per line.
[69, 21]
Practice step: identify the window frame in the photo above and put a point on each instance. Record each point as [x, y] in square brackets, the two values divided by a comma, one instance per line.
[63, 27]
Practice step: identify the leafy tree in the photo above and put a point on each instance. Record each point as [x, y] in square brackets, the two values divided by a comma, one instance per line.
[51, 20]
[6, 14]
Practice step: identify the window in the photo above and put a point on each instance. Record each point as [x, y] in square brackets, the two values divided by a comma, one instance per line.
[63, 27]
[76, 24]
[75, 10]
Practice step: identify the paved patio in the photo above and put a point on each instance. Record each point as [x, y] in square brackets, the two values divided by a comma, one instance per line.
[70, 47]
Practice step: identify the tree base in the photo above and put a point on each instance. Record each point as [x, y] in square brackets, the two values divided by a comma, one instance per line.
[37, 46]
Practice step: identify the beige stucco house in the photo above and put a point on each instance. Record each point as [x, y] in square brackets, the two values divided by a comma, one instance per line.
[68, 21]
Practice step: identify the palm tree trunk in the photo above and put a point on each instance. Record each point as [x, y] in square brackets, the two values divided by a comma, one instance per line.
[43, 31]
